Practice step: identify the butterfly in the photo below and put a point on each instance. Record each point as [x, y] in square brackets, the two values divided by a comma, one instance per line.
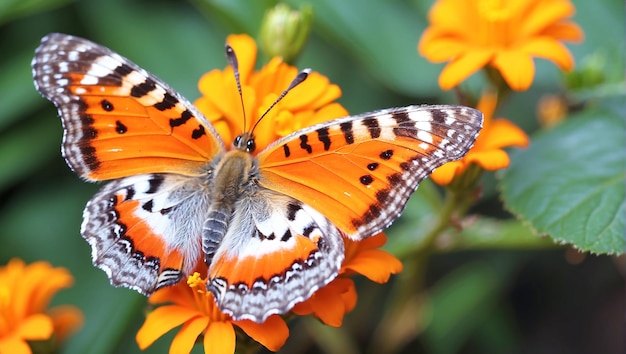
[268, 224]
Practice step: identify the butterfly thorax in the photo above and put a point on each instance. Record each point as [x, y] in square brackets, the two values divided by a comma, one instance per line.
[231, 179]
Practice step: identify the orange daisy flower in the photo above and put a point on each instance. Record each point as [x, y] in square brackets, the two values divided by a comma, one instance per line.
[25, 293]
[193, 307]
[506, 35]
[309, 103]
[339, 297]
[488, 151]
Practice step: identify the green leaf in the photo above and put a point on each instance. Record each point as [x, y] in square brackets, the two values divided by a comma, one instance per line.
[12, 9]
[489, 233]
[19, 96]
[463, 301]
[570, 183]
[25, 148]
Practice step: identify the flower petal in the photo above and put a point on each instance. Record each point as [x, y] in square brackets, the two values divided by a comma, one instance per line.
[327, 304]
[376, 265]
[503, 133]
[66, 320]
[550, 49]
[161, 321]
[516, 67]
[444, 174]
[566, 31]
[490, 160]
[461, 68]
[186, 338]
[542, 15]
[14, 345]
[437, 47]
[349, 297]
[219, 338]
[272, 333]
[35, 327]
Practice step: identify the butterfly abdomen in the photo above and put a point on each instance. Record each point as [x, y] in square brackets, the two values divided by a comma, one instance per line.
[230, 177]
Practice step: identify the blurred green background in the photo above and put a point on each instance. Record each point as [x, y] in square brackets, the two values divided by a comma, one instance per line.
[524, 297]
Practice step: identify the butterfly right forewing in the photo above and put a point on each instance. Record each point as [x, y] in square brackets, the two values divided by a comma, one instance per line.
[359, 171]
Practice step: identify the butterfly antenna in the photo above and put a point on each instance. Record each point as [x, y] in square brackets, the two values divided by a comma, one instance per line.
[302, 75]
[232, 60]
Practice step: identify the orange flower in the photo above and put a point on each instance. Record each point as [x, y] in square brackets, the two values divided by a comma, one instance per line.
[194, 308]
[504, 34]
[488, 151]
[25, 293]
[333, 301]
[309, 103]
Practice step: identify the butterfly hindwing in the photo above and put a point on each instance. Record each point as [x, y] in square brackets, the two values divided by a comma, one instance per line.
[119, 120]
[360, 171]
[278, 252]
[144, 230]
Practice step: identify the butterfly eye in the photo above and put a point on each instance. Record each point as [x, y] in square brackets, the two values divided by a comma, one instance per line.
[250, 145]
[237, 141]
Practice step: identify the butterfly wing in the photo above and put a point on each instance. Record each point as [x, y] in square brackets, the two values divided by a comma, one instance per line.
[144, 230]
[360, 171]
[278, 252]
[119, 120]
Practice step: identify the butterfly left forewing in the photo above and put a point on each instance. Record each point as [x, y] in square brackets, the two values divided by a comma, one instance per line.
[118, 119]
[359, 171]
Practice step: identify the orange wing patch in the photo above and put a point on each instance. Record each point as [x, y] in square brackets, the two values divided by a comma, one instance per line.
[252, 270]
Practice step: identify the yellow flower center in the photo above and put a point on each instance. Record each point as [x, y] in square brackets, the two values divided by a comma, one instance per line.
[495, 21]
[204, 299]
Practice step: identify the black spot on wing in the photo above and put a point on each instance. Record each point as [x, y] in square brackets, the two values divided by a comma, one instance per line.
[106, 105]
[120, 128]
[184, 117]
[199, 132]
[366, 180]
[130, 193]
[154, 183]
[346, 129]
[168, 102]
[439, 116]
[292, 209]
[304, 143]
[401, 117]
[123, 70]
[372, 127]
[143, 88]
[386, 155]
[286, 150]
[147, 206]
[322, 135]
[372, 166]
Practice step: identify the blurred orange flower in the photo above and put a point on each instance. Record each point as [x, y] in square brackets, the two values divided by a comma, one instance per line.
[339, 297]
[504, 34]
[190, 305]
[488, 151]
[25, 293]
[309, 103]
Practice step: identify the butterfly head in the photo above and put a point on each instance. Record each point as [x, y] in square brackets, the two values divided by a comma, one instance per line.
[245, 142]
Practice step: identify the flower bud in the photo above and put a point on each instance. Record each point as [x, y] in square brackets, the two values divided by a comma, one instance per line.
[284, 31]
